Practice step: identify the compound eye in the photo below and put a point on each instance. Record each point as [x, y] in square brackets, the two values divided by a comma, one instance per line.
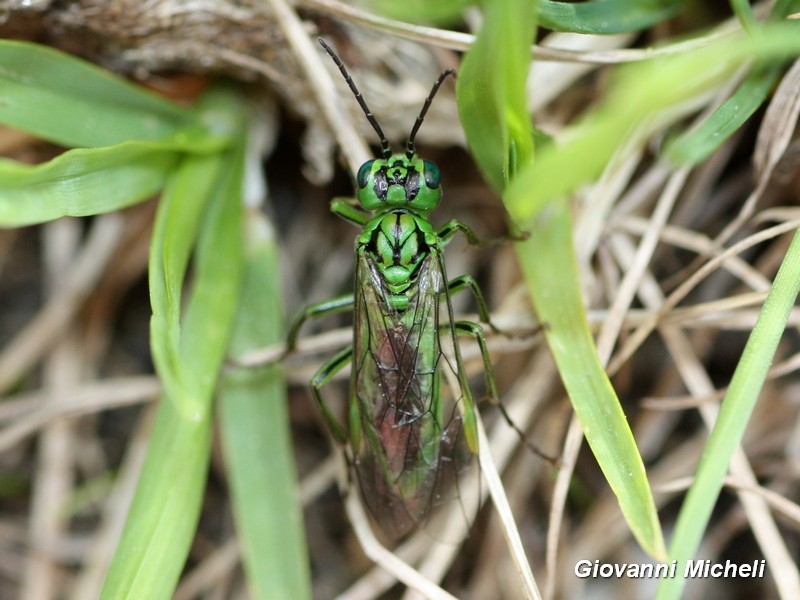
[363, 174]
[433, 177]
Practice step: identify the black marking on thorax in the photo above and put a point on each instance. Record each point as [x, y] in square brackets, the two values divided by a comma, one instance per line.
[397, 243]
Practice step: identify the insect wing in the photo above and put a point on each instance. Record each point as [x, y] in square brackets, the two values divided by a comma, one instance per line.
[410, 446]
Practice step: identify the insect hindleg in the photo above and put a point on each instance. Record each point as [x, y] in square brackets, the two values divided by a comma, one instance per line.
[476, 331]
[325, 373]
[313, 311]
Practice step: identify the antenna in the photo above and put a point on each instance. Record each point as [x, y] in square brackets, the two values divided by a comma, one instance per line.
[386, 150]
[410, 151]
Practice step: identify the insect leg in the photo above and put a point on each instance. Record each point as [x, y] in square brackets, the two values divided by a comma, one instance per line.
[468, 282]
[313, 311]
[476, 331]
[342, 208]
[449, 229]
[325, 373]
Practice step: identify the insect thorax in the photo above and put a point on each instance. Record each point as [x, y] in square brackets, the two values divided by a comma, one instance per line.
[398, 242]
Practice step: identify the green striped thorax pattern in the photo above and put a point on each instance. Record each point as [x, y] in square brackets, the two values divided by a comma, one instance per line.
[399, 238]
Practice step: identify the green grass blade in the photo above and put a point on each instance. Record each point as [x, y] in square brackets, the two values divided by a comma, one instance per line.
[548, 263]
[163, 517]
[83, 182]
[160, 526]
[71, 102]
[559, 170]
[744, 12]
[594, 16]
[606, 16]
[254, 427]
[175, 233]
[639, 91]
[491, 91]
[180, 215]
[218, 269]
[695, 146]
[493, 114]
[90, 181]
[734, 414]
[422, 11]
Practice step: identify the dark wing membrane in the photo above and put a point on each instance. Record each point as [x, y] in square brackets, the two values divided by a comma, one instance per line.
[411, 446]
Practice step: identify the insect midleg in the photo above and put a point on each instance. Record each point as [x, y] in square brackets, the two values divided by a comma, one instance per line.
[325, 373]
[468, 282]
[313, 311]
[449, 229]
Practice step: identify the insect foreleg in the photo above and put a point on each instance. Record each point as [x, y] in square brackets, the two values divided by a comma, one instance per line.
[325, 373]
[348, 212]
[313, 311]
